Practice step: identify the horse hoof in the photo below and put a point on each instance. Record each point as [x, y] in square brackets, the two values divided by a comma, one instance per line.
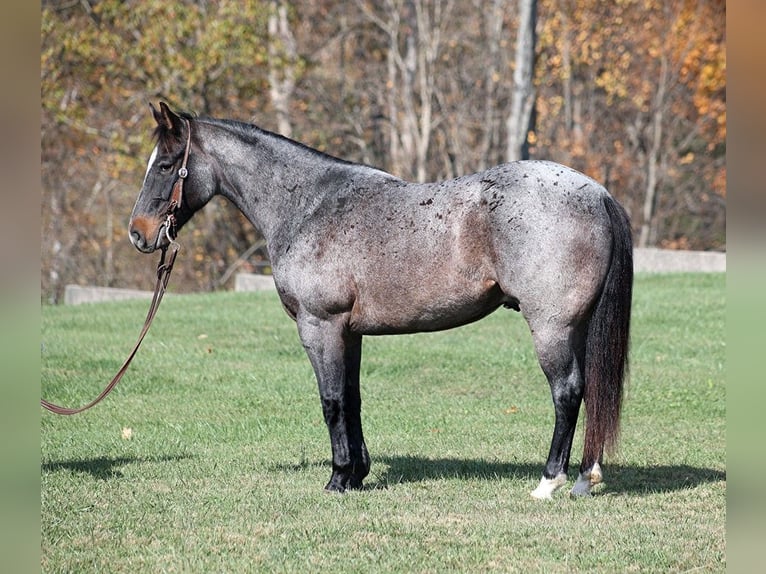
[548, 486]
[335, 485]
[340, 484]
[581, 489]
[334, 489]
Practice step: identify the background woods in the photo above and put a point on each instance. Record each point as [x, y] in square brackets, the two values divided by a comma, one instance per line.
[632, 92]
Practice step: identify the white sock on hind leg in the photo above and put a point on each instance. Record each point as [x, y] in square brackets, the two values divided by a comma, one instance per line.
[586, 481]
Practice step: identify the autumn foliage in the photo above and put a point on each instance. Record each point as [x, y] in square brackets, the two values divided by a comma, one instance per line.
[632, 92]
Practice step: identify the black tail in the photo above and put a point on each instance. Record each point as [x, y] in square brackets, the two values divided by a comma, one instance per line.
[606, 350]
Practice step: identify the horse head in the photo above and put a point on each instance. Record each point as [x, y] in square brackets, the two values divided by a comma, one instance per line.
[177, 183]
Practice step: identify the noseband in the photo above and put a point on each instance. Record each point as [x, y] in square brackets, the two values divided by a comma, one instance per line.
[176, 195]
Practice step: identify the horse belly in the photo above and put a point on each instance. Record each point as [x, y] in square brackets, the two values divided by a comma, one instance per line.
[437, 277]
[414, 307]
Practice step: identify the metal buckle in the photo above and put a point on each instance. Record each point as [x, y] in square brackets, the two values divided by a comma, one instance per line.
[170, 223]
[183, 172]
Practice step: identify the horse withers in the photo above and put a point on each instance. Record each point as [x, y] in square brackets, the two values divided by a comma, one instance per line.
[357, 251]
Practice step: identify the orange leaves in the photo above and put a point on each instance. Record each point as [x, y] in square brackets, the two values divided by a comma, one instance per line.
[627, 83]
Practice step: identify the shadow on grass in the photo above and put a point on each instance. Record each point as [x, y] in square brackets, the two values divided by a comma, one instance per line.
[401, 469]
[619, 479]
[389, 471]
[103, 468]
[633, 479]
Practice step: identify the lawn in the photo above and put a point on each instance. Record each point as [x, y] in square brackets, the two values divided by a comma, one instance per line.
[211, 455]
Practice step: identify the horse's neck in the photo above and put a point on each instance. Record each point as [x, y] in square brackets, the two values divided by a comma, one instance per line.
[273, 181]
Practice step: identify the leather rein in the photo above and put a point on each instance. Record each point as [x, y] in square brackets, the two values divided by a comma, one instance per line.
[163, 276]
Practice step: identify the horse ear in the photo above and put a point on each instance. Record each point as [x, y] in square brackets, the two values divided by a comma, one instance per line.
[166, 119]
[155, 114]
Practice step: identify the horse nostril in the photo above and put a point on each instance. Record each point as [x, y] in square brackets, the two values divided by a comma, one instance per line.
[135, 237]
[141, 230]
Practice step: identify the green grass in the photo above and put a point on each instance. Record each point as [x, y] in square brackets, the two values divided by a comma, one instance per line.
[224, 469]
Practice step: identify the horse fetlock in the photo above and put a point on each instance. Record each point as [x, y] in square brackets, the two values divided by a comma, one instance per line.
[548, 486]
[586, 481]
[596, 475]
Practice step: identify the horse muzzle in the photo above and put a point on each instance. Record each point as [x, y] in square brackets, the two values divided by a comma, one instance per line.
[147, 234]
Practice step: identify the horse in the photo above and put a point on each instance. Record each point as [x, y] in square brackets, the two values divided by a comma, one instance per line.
[357, 251]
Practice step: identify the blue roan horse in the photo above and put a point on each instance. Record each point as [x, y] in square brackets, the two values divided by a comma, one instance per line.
[357, 251]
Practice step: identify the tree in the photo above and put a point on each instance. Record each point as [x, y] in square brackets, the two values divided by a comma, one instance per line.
[521, 118]
[633, 77]
[414, 29]
[283, 60]
[493, 25]
[101, 63]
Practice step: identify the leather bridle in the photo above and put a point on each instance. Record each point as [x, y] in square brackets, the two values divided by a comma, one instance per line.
[163, 276]
[177, 193]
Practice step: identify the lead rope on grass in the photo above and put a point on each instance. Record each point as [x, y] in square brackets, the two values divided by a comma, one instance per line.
[163, 276]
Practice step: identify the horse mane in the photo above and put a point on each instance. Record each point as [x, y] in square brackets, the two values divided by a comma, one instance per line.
[252, 133]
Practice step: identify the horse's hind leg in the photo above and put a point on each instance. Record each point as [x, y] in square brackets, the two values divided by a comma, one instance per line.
[336, 356]
[560, 351]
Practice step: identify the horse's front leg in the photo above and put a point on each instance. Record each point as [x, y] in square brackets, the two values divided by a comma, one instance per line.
[335, 356]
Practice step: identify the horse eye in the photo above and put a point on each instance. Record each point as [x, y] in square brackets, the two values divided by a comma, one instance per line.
[166, 167]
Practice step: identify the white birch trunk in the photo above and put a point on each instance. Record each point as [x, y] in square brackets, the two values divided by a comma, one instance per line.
[523, 95]
[282, 58]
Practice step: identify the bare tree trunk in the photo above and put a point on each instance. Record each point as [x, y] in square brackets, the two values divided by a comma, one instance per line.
[411, 76]
[389, 24]
[428, 47]
[394, 149]
[55, 273]
[109, 236]
[282, 58]
[406, 87]
[520, 119]
[566, 64]
[493, 23]
[652, 176]
[572, 93]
